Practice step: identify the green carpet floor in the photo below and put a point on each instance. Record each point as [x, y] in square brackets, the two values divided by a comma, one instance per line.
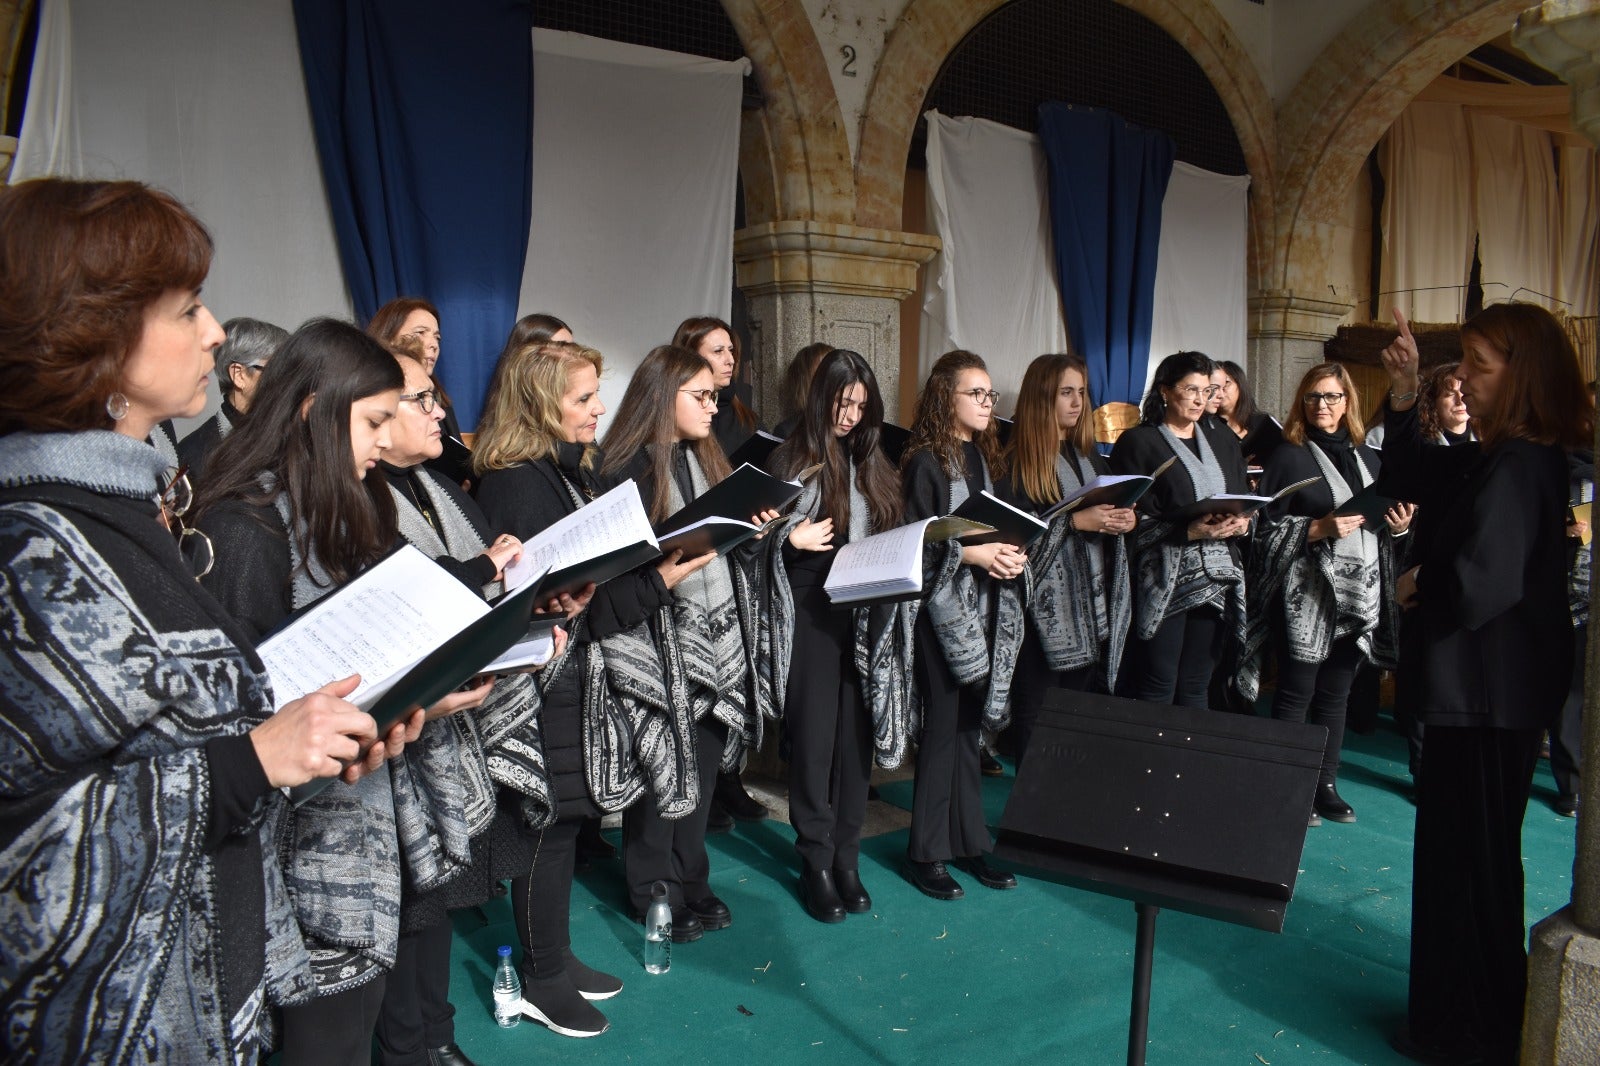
[1038, 974]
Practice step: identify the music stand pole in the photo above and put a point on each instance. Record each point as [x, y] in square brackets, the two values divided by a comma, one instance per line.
[1143, 951]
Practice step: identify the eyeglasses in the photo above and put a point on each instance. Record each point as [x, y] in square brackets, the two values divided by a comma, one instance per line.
[982, 397]
[427, 399]
[1319, 399]
[706, 398]
[176, 498]
[1194, 392]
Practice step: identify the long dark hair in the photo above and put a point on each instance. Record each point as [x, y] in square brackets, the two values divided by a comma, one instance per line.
[813, 441]
[644, 422]
[1035, 438]
[797, 378]
[325, 366]
[1173, 369]
[1542, 396]
[933, 424]
[1244, 408]
[691, 331]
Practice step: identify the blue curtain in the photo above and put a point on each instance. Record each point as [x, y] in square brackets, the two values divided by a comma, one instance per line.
[1107, 180]
[424, 123]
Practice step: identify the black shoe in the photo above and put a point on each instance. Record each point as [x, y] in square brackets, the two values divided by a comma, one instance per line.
[736, 801]
[992, 767]
[591, 983]
[712, 912]
[1566, 806]
[554, 1003]
[932, 879]
[449, 1055]
[851, 891]
[988, 876]
[686, 928]
[1330, 806]
[1424, 1051]
[717, 819]
[820, 897]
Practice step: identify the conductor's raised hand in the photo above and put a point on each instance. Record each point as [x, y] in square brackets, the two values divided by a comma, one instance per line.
[674, 568]
[1402, 362]
[315, 736]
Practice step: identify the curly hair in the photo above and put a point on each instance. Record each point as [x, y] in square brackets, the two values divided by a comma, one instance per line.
[80, 263]
[933, 425]
[521, 420]
[1433, 386]
[1035, 439]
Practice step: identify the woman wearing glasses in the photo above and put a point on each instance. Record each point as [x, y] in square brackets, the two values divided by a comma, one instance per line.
[967, 633]
[1321, 584]
[1188, 581]
[143, 758]
[1080, 606]
[296, 508]
[707, 636]
[837, 722]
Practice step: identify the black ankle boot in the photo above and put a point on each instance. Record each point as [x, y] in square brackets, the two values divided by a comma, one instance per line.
[1330, 806]
[821, 898]
[852, 893]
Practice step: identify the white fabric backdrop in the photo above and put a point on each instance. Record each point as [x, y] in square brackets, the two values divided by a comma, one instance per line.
[1201, 267]
[992, 288]
[1429, 218]
[208, 102]
[1579, 274]
[635, 160]
[1518, 209]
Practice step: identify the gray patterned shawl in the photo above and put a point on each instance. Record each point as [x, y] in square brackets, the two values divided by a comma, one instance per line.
[979, 623]
[1081, 605]
[343, 849]
[1314, 593]
[883, 634]
[109, 949]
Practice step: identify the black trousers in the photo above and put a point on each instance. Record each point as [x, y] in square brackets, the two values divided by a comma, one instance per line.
[416, 1014]
[654, 849]
[1566, 739]
[830, 736]
[1319, 693]
[947, 794]
[1174, 666]
[1032, 682]
[1468, 957]
[334, 1030]
[1408, 690]
[541, 901]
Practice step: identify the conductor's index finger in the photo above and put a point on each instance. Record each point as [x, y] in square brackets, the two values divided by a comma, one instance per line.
[1405, 326]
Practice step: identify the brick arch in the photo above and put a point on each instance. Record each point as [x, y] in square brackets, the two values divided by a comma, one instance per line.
[794, 156]
[929, 30]
[1351, 95]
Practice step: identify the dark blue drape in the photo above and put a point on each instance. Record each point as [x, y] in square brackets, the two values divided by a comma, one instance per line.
[1107, 180]
[424, 124]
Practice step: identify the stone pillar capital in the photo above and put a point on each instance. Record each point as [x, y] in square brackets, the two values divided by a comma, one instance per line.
[1564, 35]
[1284, 313]
[806, 256]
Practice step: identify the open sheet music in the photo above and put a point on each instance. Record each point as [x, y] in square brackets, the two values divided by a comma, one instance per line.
[887, 566]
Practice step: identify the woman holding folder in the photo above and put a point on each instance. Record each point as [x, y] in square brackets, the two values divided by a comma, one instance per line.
[296, 508]
[836, 722]
[706, 635]
[1081, 604]
[1495, 654]
[1322, 582]
[1188, 581]
[968, 631]
[537, 463]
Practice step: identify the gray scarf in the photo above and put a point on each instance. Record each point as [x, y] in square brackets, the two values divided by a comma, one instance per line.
[1353, 569]
[1172, 578]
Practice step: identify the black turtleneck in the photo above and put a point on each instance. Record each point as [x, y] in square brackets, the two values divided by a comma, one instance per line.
[1291, 463]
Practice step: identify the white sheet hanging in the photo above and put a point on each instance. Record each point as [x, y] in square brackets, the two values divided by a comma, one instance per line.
[635, 160]
[1429, 218]
[1518, 210]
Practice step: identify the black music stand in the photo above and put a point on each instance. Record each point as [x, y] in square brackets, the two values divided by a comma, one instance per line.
[1198, 811]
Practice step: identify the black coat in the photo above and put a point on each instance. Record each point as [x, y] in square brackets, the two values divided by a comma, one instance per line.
[1143, 448]
[1496, 645]
[1294, 462]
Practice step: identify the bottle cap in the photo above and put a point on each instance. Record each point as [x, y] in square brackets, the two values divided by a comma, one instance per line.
[505, 951]
[658, 890]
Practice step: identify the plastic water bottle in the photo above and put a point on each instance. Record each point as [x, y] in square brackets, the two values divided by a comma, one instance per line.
[658, 931]
[507, 991]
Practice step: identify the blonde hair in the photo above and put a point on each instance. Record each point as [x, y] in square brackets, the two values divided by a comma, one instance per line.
[522, 416]
[1294, 425]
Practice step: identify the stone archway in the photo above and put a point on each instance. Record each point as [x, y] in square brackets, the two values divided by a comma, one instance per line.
[929, 30]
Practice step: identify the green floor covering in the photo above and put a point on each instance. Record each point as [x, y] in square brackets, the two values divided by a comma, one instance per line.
[1040, 974]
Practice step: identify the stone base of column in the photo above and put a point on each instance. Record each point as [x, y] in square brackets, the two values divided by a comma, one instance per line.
[1287, 332]
[1562, 1022]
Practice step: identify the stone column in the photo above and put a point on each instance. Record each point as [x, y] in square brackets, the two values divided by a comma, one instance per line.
[820, 281]
[1562, 1024]
[8, 153]
[1287, 332]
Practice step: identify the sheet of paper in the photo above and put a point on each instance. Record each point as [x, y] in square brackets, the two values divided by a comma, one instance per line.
[892, 556]
[613, 521]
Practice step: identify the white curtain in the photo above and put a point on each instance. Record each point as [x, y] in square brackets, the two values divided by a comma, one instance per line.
[635, 159]
[1579, 275]
[206, 100]
[1200, 267]
[992, 288]
[1518, 210]
[1429, 218]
